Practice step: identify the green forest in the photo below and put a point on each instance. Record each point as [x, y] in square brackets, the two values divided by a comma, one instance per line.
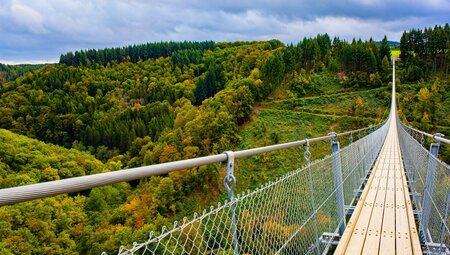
[11, 72]
[115, 108]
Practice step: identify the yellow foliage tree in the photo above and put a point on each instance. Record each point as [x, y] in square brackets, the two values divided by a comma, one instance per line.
[426, 117]
[424, 95]
[359, 102]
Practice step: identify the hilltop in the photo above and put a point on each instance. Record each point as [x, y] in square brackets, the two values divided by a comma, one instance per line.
[12, 72]
[390, 43]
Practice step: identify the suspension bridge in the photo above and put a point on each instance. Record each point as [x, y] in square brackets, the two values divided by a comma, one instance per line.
[383, 220]
[384, 193]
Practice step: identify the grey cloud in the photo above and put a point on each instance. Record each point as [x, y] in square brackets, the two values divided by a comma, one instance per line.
[45, 29]
[309, 10]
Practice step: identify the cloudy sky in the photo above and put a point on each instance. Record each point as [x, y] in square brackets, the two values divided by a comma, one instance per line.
[33, 31]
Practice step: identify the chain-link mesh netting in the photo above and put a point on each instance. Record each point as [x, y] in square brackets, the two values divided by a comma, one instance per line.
[280, 217]
[429, 180]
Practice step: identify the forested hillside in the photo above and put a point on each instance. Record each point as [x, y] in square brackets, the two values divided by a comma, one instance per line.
[11, 72]
[53, 225]
[181, 52]
[424, 80]
[158, 102]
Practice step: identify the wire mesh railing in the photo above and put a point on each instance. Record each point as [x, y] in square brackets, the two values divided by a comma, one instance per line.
[429, 181]
[284, 216]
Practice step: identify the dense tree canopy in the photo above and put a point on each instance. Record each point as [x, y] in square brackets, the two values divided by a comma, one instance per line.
[11, 72]
[112, 105]
[184, 51]
[424, 51]
[155, 103]
[424, 72]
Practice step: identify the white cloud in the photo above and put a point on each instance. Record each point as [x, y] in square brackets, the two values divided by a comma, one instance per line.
[343, 27]
[27, 17]
[370, 3]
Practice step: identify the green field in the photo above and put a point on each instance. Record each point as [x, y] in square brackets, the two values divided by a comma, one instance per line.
[395, 53]
[371, 104]
[297, 118]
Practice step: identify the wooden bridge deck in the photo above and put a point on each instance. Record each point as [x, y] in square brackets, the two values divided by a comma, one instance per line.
[383, 220]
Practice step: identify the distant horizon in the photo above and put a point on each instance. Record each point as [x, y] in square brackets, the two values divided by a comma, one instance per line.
[29, 62]
[56, 60]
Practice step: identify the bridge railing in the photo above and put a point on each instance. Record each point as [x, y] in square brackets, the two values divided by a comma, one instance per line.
[293, 214]
[18, 194]
[429, 181]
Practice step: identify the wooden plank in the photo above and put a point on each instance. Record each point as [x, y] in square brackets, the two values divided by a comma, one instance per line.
[387, 242]
[356, 243]
[414, 236]
[401, 217]
[372, 241]
[415, 242]
[362, 214]
[383, 220]
[348, 233]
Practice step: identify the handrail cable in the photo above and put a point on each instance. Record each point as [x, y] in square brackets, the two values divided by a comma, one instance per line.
[437, 137]
[51, 188]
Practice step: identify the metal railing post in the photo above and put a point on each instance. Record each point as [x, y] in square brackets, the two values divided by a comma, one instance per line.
[355, 178]
[444, 221]
[230, 182]
[307, 156]
[338, 183]
[361, 166]
[429, 186]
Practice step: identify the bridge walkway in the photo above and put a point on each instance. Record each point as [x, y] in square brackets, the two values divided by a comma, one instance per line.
[383, 220]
